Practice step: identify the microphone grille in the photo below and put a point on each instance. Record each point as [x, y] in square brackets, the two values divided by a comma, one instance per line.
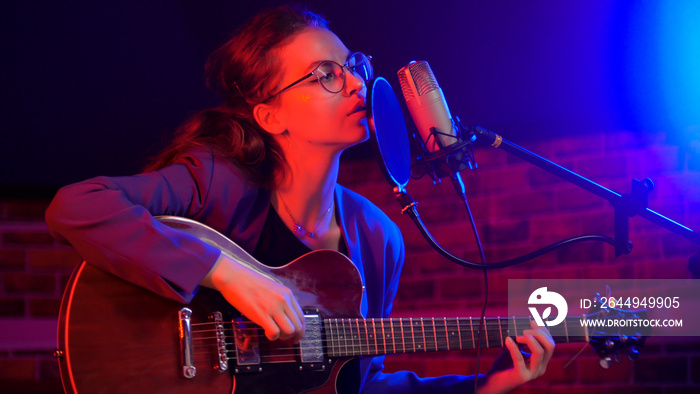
[423, 77]
[416, 78]
[406, 85]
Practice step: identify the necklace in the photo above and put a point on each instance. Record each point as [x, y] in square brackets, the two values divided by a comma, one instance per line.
[298, 229]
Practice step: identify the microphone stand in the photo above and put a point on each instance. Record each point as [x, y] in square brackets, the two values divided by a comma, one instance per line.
[441, 163]
[625, 205]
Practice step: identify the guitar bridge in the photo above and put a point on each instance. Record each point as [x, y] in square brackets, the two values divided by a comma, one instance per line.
[185, 319]
[220, 342]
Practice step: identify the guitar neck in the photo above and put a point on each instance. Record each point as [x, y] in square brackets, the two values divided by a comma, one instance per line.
[356, 337]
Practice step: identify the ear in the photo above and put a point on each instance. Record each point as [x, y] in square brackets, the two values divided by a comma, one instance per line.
[266, 116]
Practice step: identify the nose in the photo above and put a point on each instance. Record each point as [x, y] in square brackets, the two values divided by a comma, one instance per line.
[354, 84]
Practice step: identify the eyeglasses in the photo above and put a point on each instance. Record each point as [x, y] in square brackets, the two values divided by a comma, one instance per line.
[331, 75]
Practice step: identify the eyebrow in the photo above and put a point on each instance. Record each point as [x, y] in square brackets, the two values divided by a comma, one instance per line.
[317, 62]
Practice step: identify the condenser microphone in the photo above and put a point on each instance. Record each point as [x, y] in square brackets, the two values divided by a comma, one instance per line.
[427, 105]
[447, 145]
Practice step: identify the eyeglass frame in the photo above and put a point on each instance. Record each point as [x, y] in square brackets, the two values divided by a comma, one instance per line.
[342, 67]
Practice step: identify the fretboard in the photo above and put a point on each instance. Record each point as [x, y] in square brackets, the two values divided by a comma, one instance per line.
[355, 337]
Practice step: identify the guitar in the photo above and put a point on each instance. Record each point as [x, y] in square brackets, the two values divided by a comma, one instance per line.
[114, 336]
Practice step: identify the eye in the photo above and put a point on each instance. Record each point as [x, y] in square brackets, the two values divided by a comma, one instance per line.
[325, 76]
[328, 71]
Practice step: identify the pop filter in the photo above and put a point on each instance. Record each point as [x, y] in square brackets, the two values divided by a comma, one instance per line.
[388, 127]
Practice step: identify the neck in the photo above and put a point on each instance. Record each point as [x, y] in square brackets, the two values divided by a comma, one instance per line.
[307, 189]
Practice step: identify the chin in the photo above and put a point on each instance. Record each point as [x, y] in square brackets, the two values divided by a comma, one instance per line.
[365, 132]
[356, 134]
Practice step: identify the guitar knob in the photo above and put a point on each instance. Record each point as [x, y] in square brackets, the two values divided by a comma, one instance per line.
[633, 353]
[605, 362]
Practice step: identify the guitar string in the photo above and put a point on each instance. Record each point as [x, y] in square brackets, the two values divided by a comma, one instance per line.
[466, 321]
[504, 321]
[342, 350]
[352, 325]
[399, 329]
[361, 345]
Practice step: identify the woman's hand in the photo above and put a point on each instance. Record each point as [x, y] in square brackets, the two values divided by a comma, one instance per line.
[266, 302]
[505, 376]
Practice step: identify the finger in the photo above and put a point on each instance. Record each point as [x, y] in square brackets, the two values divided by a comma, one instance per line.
[544, 337]
[296, 315]
[290, 317]
[272, 330]
[286, 326]
[516, 356]
[536, 354]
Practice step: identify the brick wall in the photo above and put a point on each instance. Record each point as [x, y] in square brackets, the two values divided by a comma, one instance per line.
[33, 272]
[518, 208]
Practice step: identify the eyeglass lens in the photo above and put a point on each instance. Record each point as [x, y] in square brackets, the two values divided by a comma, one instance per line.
[330, 74]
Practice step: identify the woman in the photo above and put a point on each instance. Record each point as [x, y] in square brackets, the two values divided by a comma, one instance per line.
[262, 168]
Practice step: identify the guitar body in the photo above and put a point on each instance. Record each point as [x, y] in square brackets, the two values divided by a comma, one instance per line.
[118, 337]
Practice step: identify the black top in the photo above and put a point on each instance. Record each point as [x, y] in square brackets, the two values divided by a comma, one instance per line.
[278, 245]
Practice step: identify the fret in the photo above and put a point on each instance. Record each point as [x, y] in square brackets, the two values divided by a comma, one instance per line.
[438, 337]
[342, 343]
[348, 343]
[347, 339]
[416, 329]
[354, 338]
[422, 331]
[449, 334]
[333, 335]
[428, 335]
[471, 327]
[373, 336]
[500, 330]
[431, 330]
[459, 332]
[338, 338]
[328, 334]
[403, 337]
[393, 337]
[444, 340]
[413, 336]
[485, 330]
[399, 333]
[357, 334]
[381, 323]
[366, 335]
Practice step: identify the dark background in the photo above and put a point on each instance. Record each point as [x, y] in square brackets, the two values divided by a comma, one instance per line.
[95, 88]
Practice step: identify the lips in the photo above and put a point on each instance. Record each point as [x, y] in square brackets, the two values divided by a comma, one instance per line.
[359, 108]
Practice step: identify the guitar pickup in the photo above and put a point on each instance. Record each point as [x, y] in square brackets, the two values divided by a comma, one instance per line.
[247, 345]
[311, 344]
